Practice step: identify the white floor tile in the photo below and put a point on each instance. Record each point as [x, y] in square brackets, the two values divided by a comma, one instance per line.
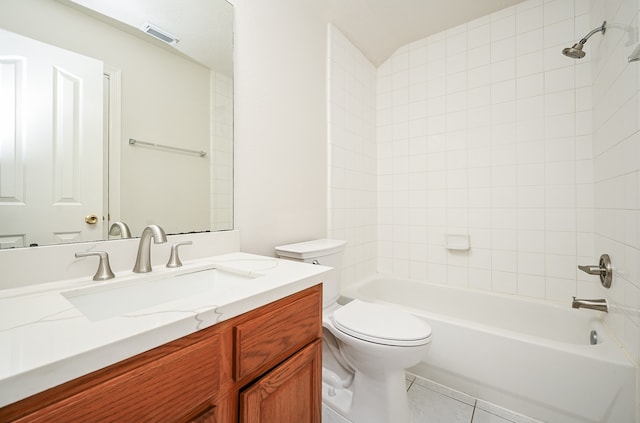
[429, 406]
[481, 416]
[457, 395]
[431, 402]
[330, 416]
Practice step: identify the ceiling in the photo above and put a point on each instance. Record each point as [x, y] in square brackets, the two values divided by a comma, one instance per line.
[376, 27]
[204, 27]
[379, 27]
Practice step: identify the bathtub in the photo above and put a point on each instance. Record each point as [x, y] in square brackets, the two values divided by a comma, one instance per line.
[531, 357]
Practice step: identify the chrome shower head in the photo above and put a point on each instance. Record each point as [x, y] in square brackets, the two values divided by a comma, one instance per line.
[575, 51]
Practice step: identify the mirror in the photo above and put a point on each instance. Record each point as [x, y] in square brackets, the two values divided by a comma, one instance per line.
[101, 122]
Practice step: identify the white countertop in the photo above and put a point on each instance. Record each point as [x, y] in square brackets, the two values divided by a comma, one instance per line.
[46, 341]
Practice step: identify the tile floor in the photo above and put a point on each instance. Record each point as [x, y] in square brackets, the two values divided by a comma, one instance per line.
[434, 403]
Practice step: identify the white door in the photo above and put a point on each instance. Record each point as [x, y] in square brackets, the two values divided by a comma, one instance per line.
[51, 151]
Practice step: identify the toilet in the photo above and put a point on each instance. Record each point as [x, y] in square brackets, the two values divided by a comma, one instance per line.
[366, 346]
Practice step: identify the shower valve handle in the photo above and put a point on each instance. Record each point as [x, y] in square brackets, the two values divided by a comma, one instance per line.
[603, 269]
[592, 270]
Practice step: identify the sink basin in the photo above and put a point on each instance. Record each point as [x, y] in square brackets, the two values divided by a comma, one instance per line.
[119, 298]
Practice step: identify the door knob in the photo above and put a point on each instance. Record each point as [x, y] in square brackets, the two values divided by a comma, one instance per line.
[91, 219]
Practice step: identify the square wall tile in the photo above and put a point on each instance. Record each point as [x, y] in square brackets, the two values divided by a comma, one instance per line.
[478, 36]
[559, 33]
[503, 49]
[557, 10]
[529, 42]
[503, 27]
[504, 282]
[529, 19]
[530, 63]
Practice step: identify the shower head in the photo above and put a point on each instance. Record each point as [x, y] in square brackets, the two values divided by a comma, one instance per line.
[575, 51]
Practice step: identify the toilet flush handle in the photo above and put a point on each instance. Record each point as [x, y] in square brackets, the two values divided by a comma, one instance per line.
[315, 262]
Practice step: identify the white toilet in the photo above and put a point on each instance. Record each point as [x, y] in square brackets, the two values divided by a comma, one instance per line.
[366, 346]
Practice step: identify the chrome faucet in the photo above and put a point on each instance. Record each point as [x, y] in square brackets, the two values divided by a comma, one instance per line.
[120, 228]
[600, 305]
[143, 260]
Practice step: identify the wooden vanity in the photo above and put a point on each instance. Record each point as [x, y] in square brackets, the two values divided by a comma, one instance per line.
[261, 366]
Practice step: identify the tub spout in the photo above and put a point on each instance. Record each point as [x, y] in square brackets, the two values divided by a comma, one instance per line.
[600, 305]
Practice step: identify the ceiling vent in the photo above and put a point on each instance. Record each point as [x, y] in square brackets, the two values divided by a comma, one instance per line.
[159, 33]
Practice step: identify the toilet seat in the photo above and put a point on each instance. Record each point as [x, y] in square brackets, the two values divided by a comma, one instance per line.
[381, 324]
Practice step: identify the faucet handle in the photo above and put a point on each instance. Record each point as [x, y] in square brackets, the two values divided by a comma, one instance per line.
[603, 269]
[104, 270]
[174, 259]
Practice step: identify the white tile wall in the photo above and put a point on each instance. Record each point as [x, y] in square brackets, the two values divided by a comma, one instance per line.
[485, 129]
[488, 129]
[616, 155]
[352, 156]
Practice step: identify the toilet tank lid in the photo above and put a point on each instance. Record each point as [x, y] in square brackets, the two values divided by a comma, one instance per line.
[311, 249]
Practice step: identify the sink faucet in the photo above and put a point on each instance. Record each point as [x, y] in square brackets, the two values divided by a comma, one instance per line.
[600, 305]
[120, 228]
[143, 260]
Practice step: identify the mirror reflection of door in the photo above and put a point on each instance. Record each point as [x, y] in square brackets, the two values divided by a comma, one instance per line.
[57, 94]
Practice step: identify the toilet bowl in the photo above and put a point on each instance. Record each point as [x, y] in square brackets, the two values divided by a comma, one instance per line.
[366, 346]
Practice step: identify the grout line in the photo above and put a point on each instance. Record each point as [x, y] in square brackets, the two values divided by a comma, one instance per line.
[413, 380]
[473, 412]
[410, 385]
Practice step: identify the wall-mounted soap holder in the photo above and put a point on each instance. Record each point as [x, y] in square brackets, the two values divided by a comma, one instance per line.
[458, 242]
[603, 269]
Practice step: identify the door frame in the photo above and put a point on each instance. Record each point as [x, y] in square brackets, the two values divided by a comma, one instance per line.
[113, 137]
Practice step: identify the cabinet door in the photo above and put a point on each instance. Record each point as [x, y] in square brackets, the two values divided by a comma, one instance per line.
[290, 393]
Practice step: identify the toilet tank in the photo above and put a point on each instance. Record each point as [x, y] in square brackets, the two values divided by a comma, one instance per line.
[327, 252]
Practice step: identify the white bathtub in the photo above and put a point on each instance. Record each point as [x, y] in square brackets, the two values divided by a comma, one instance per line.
[531, 357]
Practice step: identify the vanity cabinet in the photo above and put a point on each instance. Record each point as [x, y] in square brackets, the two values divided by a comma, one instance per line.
[262, 366]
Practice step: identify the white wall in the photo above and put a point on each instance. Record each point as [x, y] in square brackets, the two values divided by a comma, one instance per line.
[280, 124]
[482, 129]
[616, 150]
[221, 161]
[352, 157]
[485, 129]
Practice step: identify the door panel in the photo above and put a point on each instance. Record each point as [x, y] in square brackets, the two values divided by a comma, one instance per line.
[290, 393]
[51, 164]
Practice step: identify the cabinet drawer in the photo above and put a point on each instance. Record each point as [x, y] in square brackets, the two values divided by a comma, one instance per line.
[162, 391]
[270, 338]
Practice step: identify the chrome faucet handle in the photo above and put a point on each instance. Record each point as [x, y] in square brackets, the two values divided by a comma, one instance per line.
[603, 269]
[174, 259]
[104, 270]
